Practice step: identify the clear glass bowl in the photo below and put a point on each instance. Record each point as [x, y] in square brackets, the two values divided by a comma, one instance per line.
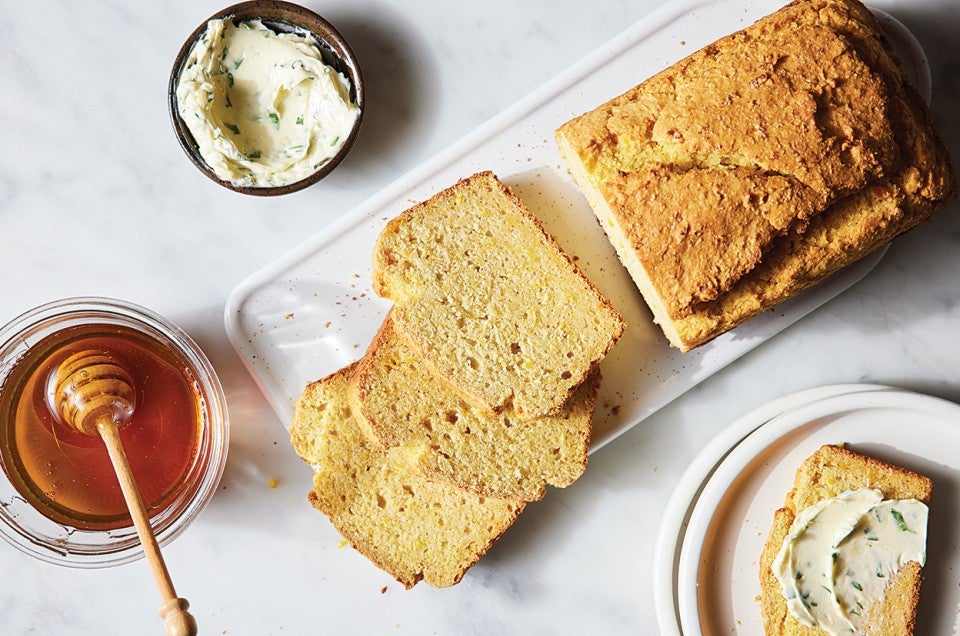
[24, 527]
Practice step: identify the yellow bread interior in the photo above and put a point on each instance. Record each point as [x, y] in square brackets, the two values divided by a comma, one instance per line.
[448, 439]
[490, 302]
[410, 527]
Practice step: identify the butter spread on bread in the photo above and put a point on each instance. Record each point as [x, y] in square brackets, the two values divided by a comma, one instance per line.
[840, 553]
[889, 602]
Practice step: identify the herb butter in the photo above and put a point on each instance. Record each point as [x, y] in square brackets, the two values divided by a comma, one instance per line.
[262, 106]
[840, 552]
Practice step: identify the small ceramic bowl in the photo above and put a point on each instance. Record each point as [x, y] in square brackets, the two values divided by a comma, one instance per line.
[33, 335]
[281, 17]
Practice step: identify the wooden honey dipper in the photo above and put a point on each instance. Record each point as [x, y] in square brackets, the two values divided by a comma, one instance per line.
[95, 395]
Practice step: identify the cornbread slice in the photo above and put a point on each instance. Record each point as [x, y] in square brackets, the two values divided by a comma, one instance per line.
[492, 454]
[759, 165]
[489, 300]
[410, 527]
[830, 471]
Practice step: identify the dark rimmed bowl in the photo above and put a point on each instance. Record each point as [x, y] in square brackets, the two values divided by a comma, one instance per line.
[282, 17]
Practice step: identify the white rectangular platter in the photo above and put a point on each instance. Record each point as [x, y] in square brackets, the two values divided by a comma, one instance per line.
[313, 311]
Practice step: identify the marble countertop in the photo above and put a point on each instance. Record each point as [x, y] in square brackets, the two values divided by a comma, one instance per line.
[96, 198]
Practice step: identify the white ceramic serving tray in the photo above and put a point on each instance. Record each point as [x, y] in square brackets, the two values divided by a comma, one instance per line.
[313, 311]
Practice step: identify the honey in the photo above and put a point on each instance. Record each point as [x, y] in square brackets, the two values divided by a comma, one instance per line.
[66, 475]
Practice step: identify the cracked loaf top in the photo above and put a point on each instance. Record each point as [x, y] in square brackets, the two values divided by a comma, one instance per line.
[759, 165]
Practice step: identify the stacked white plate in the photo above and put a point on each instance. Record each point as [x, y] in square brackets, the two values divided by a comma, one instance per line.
[718, 519]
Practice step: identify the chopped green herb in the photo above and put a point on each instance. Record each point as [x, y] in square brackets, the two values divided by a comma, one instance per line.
[873, 538]
[297, 148]
[233, 129]
[334, 142]
[899, 519]
[856, 586]
[223, 54]
[833, 557]
[237, 63]
[829, 591]
[229, 103]
[274, 118]
[246, 25]
[813, 603]
[254, 155]
[798, 576]
[855, 612]
[229, 78]
[299, 121]
[880, 575]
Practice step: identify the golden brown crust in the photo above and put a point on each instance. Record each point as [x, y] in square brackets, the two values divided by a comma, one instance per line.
[808, 106]
[828, 472]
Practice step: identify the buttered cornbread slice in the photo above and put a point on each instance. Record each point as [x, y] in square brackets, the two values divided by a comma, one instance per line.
[759, 165]
[450, 440]
[489, 300]
[846, 550]
[408, 526]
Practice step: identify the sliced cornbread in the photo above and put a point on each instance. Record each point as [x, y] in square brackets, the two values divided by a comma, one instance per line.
[827, 473]
[759, 165]
[489, 300]
[448, 439]
[410, 527]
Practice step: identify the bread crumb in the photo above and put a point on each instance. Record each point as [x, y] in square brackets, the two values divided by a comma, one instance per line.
[343, 544]
[288, 316]
[273, 483]
[383, 590]
[326, 325]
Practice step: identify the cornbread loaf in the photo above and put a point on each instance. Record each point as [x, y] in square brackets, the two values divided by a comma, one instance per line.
[831, 470]
[759, 165]
[410, 527]
[489, 300]
[492, 454]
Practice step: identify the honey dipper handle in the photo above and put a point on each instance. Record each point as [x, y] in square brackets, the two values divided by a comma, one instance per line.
[178, 620]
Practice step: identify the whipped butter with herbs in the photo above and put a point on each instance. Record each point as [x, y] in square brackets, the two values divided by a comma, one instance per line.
[840, 552]
[262, 106]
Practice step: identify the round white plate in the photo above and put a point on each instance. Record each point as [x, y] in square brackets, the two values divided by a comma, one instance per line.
[676, 516]
[717, 571]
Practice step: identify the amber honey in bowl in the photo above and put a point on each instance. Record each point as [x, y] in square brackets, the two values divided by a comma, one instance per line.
[60, 500]
[67, 475]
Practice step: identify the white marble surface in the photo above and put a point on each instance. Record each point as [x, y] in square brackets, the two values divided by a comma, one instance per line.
[96, 198]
